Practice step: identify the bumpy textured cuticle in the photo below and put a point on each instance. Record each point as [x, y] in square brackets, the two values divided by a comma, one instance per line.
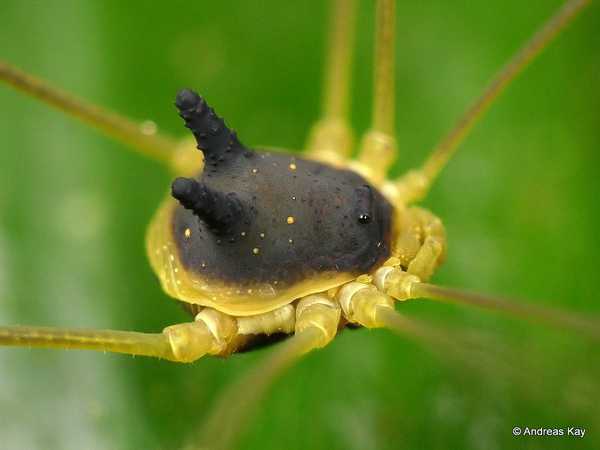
[253, 216]
[217, 210]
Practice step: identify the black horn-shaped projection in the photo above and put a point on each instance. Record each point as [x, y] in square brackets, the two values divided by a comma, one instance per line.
[218, 143]
[218, 210]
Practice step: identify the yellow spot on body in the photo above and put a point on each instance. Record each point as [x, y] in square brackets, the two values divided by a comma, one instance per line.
[171, 257]
[292, 166]
[275, 282]
[178, 281]
[256, 250]
[175, 270]
[291, 241]
[290, 220]
[187, 233]
[249, 291]
[262, 235]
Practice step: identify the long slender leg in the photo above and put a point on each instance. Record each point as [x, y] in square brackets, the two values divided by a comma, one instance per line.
[378, 147]
[141, 137]
[184, 342]
[317, 319]
[472, 349]
[132, 343]
[517, 309]
[331, 138]
[402, 285]
[415, 184]
[364, 304]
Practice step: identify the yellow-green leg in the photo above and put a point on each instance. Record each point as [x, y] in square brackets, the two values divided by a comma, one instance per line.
[364, 304]
[415, 185]
[378, 147]
[393, 281]
[331, 139]
[141, 137]
[315, 324]
[421, 242]
[210, 333]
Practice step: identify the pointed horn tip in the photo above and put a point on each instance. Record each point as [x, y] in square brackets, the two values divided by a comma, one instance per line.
[182, 188]
[187, 99]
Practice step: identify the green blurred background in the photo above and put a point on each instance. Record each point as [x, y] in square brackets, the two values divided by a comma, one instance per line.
[519, 202]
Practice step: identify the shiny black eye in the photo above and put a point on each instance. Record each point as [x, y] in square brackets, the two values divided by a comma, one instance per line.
[364, 204]
[364, 218]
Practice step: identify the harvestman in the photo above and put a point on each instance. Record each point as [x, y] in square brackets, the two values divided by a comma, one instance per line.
[258, 243]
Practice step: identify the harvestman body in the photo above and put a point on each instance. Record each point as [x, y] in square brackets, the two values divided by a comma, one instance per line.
[258, 243]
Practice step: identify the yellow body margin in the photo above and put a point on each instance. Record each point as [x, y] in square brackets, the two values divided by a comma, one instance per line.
[234, 300]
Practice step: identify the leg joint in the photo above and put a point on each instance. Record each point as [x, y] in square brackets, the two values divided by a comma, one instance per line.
[360, 302]
[318, 311]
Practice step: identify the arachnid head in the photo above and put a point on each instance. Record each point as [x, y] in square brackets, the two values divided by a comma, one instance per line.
[261, 229]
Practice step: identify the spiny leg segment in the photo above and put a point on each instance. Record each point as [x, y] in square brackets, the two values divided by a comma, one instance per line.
[141, 137]
[128, 342]
[414, 185]
[185, 342]
[132, 343]
[212, 332]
